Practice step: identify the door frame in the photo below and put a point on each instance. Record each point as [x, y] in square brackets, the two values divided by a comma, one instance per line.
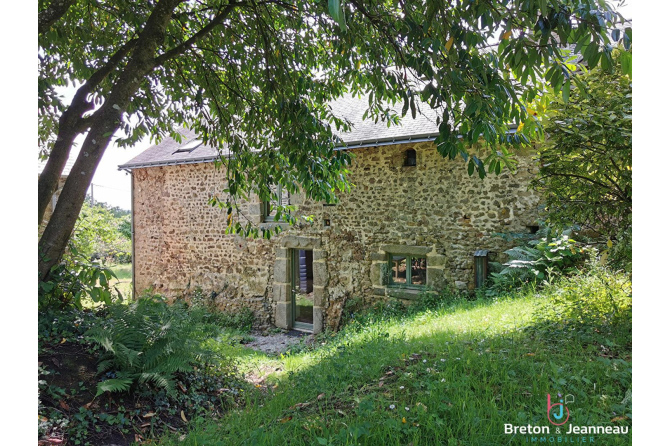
[282, 282]
[294, 254]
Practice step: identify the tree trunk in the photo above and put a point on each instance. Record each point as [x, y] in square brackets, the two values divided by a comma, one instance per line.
[104, 123]
[69, 126]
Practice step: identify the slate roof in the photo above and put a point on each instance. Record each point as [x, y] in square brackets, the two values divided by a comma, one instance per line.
[363, 134]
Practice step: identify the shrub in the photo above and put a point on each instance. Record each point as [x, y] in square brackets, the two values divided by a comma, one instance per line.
[595, 296]
[242, 320]
[585, 169]
[148, 341]
[75, 278]
[537, 262]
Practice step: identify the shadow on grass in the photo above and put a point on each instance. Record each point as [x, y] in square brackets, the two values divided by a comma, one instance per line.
[454, 376]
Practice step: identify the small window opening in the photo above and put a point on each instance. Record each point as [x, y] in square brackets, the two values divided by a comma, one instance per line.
[410, 158]
[481, 267]
[189, 147]
[280, 197]
[533, 229]
[407, 270]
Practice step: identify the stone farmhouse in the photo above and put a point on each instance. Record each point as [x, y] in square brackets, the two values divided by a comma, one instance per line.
[414, 222]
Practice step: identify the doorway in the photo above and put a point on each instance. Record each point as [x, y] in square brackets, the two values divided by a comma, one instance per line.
[302, 289]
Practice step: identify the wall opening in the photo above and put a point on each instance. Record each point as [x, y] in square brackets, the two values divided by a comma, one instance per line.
[410, 158]
[299, 286]
[302, 289]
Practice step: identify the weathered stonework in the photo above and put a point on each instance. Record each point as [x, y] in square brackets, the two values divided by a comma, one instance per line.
[434, 209]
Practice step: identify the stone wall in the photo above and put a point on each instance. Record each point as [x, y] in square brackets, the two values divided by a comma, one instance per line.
[434, 208]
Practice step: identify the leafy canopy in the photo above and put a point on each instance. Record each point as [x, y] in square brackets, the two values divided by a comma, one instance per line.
[586, 163]
[255, 77]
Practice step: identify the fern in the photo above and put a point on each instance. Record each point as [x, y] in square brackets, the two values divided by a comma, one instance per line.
[114, 385]
[147, 342]
[537, 261]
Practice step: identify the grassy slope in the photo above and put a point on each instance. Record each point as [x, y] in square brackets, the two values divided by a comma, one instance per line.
[454, 376]
[124, 275]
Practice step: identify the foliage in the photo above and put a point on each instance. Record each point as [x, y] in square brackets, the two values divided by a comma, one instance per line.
[125, 227]
[148, 341]
[69, 411]
[74, 279]
[450, 375]
[81, 272]
[359, 312]
[241, 320]
[99, 234]
[256, 78]
[586, 164]
[596, 297]
[540, 260]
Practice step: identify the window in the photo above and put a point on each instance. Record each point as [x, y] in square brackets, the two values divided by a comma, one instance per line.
[189, 147]
[281, 197]
[410, 158]
[407, 270]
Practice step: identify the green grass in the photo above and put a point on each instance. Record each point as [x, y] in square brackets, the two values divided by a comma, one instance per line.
[123, 271]
[124, 274]
[455, 375]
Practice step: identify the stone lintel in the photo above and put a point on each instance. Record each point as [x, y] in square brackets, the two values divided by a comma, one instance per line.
[407, 249]
[297, 242]
[273, 224]
[378, 257]
[404, 293]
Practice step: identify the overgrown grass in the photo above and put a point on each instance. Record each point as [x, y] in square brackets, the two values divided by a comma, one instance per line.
[124, 274]
[454, 375]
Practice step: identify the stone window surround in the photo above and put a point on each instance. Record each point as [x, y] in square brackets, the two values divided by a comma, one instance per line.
[281, 287]
[435, 266]
[408, 273]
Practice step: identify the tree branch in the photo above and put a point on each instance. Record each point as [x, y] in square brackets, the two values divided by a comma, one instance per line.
[49, 16]
[181, 48]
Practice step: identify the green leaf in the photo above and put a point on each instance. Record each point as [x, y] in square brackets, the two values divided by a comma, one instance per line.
[334, 9]
[626, 59]
[114, 385]
[566, 92]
